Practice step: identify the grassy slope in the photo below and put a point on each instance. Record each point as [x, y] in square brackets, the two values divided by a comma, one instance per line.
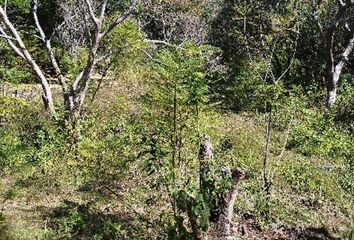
[305, 194]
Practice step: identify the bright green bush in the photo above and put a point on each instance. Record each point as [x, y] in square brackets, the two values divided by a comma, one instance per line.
[14, 75]
[319, 134]
[344, 111]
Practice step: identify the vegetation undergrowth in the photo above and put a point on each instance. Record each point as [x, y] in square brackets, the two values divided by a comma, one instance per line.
[163, 119]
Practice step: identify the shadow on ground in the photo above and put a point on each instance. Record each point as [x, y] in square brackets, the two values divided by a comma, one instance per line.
[315, 234]
[248, 228]
[4, 229]
[83, 221]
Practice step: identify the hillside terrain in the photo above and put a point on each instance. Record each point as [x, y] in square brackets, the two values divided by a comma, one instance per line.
[61, 199]
[178, 120]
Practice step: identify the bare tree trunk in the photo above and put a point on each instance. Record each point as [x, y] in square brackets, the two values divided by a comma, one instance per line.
[266, 181]
[205, 155]
[227, 207]
[22, 51]
[333, 70]
[74, 94]
[332, 90]
[334, 75]
[222, 209]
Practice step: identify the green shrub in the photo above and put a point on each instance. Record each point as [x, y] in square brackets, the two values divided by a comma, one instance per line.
[316, 133]
[344, 111]
[15, 75]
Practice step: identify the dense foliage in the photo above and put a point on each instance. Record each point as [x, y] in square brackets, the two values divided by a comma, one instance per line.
[249, 76]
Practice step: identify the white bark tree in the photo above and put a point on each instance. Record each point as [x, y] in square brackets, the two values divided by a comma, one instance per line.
[74, 91]
[335, 65]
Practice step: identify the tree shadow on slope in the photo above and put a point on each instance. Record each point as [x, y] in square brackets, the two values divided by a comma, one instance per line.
[296, 233]
[4, 229]
[250, 229]
[74, 221]
[300, 233]
[313, 233]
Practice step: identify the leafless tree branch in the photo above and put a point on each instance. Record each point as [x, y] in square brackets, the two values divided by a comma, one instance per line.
[291, 60]
[74, 95]
[5, 5]
[92, 13]
[315, 16]
[121, 18]
[47, 94]
[265, 176]
[163, 43]
[281, 155]
[7, 37]
[11, 43]
[48, 45]
[103, 10]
